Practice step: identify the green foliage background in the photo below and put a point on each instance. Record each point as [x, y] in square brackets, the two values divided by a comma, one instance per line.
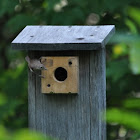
[123, 56]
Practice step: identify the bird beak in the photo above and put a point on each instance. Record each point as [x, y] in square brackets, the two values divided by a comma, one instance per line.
[45, 68]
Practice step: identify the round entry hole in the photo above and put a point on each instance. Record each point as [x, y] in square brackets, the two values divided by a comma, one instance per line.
[60, 74]
[48, 85]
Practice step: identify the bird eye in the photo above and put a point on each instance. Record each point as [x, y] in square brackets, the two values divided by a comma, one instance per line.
[41, 67]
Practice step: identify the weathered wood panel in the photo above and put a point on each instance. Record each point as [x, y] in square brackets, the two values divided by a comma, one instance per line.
[63, 37]
[98, 94]
[31, 98]
[72, 117]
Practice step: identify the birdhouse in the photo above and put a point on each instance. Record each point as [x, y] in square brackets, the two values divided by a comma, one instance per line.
[68, 101]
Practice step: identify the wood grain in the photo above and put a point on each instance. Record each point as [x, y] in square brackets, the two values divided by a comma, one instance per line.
[63, 37]
[31, 97]
[98, 94]
[73, 117]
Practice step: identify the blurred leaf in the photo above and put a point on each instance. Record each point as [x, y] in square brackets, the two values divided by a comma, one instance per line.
[16, 93]
[117, 69]
[3, 99]
[126, 118]
[7, 7]
[68, 16]
[117, 5]
[4, 134]
[30, 135]
[50, 4]
[135, 57]
[134, 13]
[126, 38]
[131, 26]
[136, 136]
[18, 22]
[134, 50]
[23, 134]
[120, 50]
[133, 103]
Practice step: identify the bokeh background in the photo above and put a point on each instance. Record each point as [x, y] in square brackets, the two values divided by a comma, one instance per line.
[123, 60]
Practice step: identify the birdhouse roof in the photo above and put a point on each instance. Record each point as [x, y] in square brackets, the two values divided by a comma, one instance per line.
[53, 38]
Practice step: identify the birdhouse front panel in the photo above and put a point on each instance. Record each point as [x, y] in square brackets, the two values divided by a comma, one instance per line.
[61, 76]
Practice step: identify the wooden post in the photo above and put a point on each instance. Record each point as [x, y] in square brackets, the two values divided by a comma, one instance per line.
[67, 116]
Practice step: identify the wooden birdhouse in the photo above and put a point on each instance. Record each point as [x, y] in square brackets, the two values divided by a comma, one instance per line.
[68, 101]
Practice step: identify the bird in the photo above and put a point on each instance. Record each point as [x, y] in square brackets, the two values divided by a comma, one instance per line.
[35, 64]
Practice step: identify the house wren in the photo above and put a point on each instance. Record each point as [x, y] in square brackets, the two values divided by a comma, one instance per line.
[35, 64]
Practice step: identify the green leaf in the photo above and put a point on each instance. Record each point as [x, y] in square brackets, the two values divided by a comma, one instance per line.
[136, 136]
[120, 49]
[133, 103]
[134, 49]
[22, 134]
[68, 16]
[116, 5]
[117, 69]
[134, 13]
[4, 134]
[125, 38]
[3, 99]
[126, 118]
[135, 57]
[7, 6]
[131, 26]
[25, 134]
[19, 21]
